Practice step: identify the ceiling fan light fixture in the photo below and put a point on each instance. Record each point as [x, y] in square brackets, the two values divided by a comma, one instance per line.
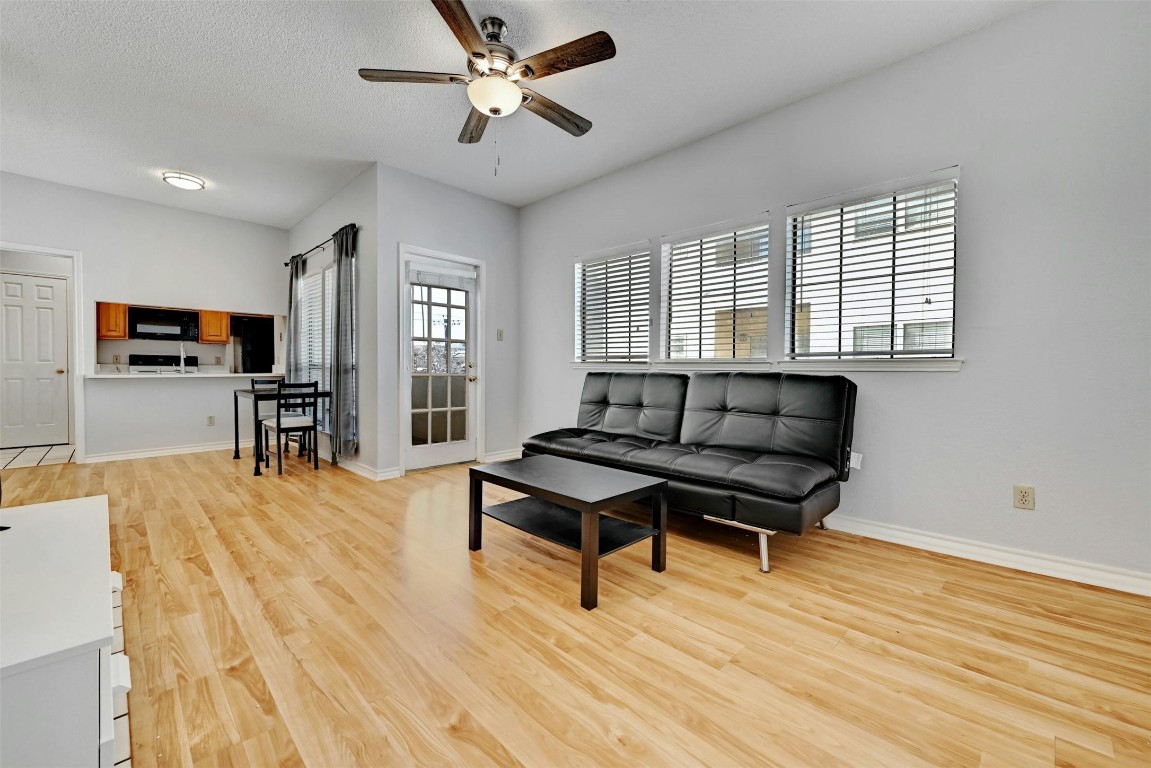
[183, 180]
[494, 95]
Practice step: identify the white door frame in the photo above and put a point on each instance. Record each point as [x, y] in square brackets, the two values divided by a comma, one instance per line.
[408, 253]
[76, 341]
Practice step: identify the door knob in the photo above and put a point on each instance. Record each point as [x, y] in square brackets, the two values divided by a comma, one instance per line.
[59, 370]
[472, 378]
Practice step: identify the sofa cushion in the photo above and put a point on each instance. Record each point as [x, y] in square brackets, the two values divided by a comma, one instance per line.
[641, 404]
[772, 474]
[587, 443]
[772, 413]
[776, 475]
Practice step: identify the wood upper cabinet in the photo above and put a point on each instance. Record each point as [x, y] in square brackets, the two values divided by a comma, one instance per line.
[214, 327]
[111, 320]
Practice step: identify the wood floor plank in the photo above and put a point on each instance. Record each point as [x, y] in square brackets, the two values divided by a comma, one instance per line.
[320, 619]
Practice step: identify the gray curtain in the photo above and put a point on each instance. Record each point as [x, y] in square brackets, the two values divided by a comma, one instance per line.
[293, 367]
[344, 437]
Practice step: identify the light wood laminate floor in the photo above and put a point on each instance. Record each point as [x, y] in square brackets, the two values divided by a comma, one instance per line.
[321, 619]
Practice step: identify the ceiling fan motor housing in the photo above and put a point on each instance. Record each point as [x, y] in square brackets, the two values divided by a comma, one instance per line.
[493, 29]
[502, 55]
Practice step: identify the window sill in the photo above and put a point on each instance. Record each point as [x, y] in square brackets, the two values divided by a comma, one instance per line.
[934, 365]
[724, 364]
[621, 365]
[948, 364]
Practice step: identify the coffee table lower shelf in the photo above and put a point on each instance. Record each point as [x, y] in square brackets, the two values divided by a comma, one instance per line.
[563, 526]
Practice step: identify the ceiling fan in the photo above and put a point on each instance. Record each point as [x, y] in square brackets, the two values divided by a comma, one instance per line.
[496, 72]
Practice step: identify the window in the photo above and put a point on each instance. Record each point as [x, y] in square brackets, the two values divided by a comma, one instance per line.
[612, 309]
[317, 293]
[874, 277]
[871, 338]
[936, 335]
[714, 302]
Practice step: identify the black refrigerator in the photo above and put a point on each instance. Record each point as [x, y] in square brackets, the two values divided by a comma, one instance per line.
[255, 340]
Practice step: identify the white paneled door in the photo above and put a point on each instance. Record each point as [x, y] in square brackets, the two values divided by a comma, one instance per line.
[34, 355]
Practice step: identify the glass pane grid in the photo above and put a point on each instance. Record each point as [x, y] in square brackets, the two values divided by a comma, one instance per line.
[439, 349]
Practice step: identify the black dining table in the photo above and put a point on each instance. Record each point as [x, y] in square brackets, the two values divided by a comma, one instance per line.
[261, 395]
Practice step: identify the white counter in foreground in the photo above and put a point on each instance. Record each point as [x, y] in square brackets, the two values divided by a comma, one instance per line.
[56, 634]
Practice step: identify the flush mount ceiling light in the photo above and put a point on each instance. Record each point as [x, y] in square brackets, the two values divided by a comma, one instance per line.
[182, 180]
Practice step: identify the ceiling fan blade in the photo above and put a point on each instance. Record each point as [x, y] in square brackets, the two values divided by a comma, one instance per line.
[555, 114]
[405, 76]
[474, 127]
[595, 47]
[463, 28]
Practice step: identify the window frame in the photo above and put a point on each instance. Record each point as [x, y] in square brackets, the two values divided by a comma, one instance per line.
[661, 280]
[630, 251]
[794, 361]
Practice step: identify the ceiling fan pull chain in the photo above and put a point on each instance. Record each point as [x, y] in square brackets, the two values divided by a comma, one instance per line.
[496, 170]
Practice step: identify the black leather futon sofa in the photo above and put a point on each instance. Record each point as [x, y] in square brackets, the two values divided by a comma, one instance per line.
[760, 451]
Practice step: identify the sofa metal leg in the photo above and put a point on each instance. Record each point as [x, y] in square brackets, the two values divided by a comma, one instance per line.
[764, 533]
[821, 525]
[763, 566]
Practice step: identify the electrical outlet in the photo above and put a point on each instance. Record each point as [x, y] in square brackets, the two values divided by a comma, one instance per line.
[1025, 497]
[219, 360]
[856, 460]
[211, 421]
[115, 359]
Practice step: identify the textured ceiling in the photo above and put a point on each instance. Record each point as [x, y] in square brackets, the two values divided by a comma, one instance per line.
[262, 98]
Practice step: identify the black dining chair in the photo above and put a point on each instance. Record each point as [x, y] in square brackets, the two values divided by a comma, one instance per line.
[268, 413]
[298, 413]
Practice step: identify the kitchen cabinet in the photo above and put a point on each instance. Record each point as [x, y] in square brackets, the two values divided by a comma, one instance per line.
[111, 321]
[214, 327]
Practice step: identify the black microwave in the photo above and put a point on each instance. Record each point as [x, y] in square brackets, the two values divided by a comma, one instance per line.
[169, 324]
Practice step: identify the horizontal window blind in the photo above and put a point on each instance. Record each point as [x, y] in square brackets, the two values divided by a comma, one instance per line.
[874, 277]
[312, 327]
[317, 298]
[612, 309]
[714, 296]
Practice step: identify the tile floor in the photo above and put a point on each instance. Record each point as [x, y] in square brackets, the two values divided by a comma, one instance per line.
[36, 456]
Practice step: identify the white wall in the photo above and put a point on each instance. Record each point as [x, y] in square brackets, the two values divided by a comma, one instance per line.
[356, 204]
[393, 207]
[421, 212]
[142, 253]
[1048, 114]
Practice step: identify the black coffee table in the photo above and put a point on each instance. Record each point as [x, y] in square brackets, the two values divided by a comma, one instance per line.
[564, 504]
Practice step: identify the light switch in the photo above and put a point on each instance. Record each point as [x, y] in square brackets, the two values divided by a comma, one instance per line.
[499, 334]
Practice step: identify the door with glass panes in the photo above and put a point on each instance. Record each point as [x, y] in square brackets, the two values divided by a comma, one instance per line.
[441, 376]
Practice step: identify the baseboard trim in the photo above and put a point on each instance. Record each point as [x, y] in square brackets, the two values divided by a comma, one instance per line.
[370, 473]
[151, 453]
[502, 455]
[1120, 579]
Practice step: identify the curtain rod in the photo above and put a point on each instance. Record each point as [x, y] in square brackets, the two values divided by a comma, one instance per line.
[314, 247]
